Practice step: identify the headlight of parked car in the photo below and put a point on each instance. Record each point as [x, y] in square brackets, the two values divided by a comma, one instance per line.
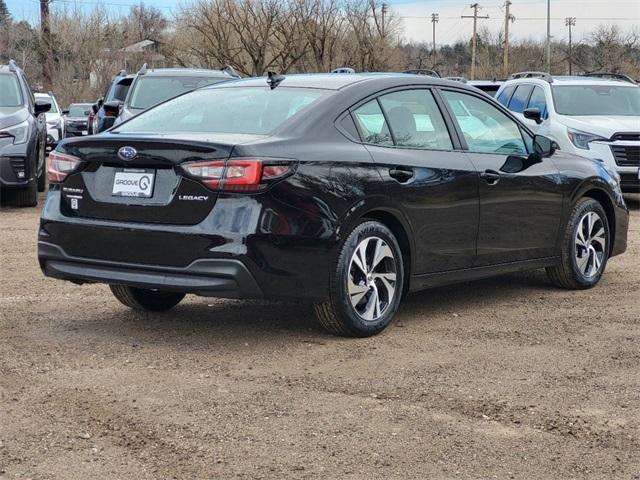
[581, 139]
[19, 132]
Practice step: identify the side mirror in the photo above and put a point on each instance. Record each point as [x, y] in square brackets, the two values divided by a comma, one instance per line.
[112, 108]
[543, 146]
[65, 112]
[100, 101]
[533, 114]
[95, 107]
[41, 106]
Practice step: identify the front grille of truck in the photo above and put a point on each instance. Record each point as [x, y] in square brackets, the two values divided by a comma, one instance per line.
[626, 155]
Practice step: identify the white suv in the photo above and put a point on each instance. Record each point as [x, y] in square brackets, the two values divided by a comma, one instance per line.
[596, 116]
[55, 123]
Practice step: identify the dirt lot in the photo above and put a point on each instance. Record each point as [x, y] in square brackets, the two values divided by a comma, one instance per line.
[503, 378]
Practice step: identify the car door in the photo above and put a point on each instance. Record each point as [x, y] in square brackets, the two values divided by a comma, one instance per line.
[434, 183]
[520, 193]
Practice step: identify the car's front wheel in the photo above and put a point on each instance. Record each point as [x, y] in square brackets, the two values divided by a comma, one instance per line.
[585, 247]
[144, 299]
[366, 284]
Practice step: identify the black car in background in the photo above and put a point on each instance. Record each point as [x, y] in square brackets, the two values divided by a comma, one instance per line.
[348, 190]
[153, 86]
[101, 120]
[23, 137]
[76, 119]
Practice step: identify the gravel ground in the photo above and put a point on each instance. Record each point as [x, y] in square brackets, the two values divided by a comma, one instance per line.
[501, 378]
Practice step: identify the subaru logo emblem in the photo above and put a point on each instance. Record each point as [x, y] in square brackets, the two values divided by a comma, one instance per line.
[127, 153]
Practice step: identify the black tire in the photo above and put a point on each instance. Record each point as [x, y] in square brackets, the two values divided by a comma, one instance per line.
[337, 314]
[568, 274]
[147, 300]
[26, 197]
[42, 178]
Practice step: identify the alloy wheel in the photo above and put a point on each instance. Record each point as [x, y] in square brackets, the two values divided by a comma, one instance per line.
[591, 244]
[372, 278]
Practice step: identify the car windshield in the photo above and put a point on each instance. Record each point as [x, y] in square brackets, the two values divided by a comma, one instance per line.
[150, 91]
[10, 95]
[47, 98]
[238, 110]
[79, 110]
[597, 100]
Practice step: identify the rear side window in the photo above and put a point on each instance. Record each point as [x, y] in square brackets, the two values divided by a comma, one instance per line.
[519, 99]
[415, 120]
[241, 110]
[505, 95]
[538, 101]
[372, 124]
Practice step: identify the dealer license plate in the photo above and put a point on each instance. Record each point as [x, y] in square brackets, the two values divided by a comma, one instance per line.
[133, 183]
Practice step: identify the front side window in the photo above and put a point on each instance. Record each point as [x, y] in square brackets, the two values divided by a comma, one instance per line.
[597, 100]
[150, 91]
[538, 101]
[10, 95]
[485, 128]
[372, 124]
[415, 120]
[240, 110]
[519, 99]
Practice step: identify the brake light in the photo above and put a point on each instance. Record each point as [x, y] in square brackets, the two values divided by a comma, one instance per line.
[247, 174]
[60, 165]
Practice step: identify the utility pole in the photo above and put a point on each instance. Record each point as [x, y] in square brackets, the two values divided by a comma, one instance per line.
[474, 43]
[45, 51]
[507, 18]
[570, 22]
[434, 20]
[385, 9]
[548, 43]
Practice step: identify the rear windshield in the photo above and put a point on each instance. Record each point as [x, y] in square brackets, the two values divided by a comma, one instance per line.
[242, 110]
[150, 91]
[78, 110]
[597, 100]
[118, 91]
[10, 95]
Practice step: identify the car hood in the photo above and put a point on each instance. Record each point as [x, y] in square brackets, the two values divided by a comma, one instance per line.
[605, 126]
[12, 116]
[76, 119]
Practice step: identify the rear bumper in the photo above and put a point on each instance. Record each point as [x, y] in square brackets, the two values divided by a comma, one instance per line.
[226, 278]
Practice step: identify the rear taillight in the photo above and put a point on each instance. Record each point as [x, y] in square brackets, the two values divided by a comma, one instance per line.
[59, 165]
[245, 174]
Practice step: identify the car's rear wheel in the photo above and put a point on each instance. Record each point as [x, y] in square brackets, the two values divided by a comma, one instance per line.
[144, 299]
[585, 247]
[366, 284]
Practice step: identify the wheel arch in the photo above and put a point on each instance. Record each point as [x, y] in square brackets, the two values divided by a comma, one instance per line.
[392, 220]
[603, 198]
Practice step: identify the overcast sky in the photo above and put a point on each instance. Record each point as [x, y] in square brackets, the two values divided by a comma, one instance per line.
[530, 15]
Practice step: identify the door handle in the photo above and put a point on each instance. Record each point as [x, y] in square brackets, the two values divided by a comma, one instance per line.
[491, 176]
[402, 175]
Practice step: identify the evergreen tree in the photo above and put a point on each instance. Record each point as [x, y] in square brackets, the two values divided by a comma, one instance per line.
[5, 16]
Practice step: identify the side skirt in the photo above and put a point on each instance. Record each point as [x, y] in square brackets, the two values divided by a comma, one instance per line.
[428, 280]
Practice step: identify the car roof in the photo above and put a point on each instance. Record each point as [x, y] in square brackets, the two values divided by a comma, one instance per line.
[567, 80]
[184, 72]
[81, 103]
[338, 81]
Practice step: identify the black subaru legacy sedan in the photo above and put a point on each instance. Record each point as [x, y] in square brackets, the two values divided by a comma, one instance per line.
[346, 190]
